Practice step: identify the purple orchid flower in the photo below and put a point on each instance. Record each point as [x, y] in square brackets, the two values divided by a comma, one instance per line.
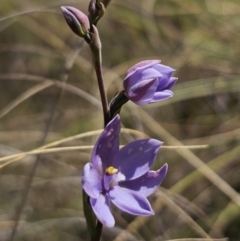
[149, 82]
[121, 176]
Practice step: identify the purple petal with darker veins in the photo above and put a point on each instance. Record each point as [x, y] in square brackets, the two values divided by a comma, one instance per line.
[164, 69]
[171, 82]
[91, 181]
[130, 202]
[141, 65]
[136, 158]
[142, 93]
[139, 76]
[148, 183]
[166, 72]
[162, 95]
[101, 208]
[106, 146]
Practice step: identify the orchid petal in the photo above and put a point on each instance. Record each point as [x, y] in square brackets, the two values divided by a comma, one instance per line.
[141, 65]
[166, 72]
[171, 83]
[130, 202]
[101, 208]
[91, 181]
[162, 95]
[135, 159]
[141, 93]
[139, 76]
[106, 146]
[148, 183]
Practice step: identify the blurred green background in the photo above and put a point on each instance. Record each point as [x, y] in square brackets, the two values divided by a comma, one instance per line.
[48, 92]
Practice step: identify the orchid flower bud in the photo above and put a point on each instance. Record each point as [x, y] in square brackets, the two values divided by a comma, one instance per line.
[77, 21]
[149, 82]
[96, 11]
[104, 2]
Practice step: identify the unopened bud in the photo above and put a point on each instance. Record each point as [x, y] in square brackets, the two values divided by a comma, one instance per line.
[96, 11]
[77, 21]
[104, 2]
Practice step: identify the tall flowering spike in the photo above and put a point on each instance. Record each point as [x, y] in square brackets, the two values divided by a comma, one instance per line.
[121, 177]
[77, 21]
[149, 82]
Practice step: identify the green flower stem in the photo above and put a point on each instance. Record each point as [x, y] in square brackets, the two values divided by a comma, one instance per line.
[116, 104]
[96, 48]
[94, 225]
[97, 59]
[98, 231]
[90, 217]
[98, 70]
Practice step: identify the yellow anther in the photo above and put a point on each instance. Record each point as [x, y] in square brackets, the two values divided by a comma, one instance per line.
[111, 170]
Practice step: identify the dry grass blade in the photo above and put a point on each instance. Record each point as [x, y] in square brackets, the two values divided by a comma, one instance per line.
[74, 148]
[215, 139]
[68, 65]
[214, 164]
[149, 25]
[230, 212]
[72, 89]
[192, 159]
[201, 88]
[163, 199]
[199, 239]
[18, 157]
[185, 217]
[24, 96]
[44, 150]
[186, 147]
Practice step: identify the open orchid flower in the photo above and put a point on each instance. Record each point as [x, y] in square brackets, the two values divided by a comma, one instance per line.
[121, 176]
[148, 82]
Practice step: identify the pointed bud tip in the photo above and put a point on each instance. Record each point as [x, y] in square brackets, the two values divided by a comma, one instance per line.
[76, 20]
[63, 8]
